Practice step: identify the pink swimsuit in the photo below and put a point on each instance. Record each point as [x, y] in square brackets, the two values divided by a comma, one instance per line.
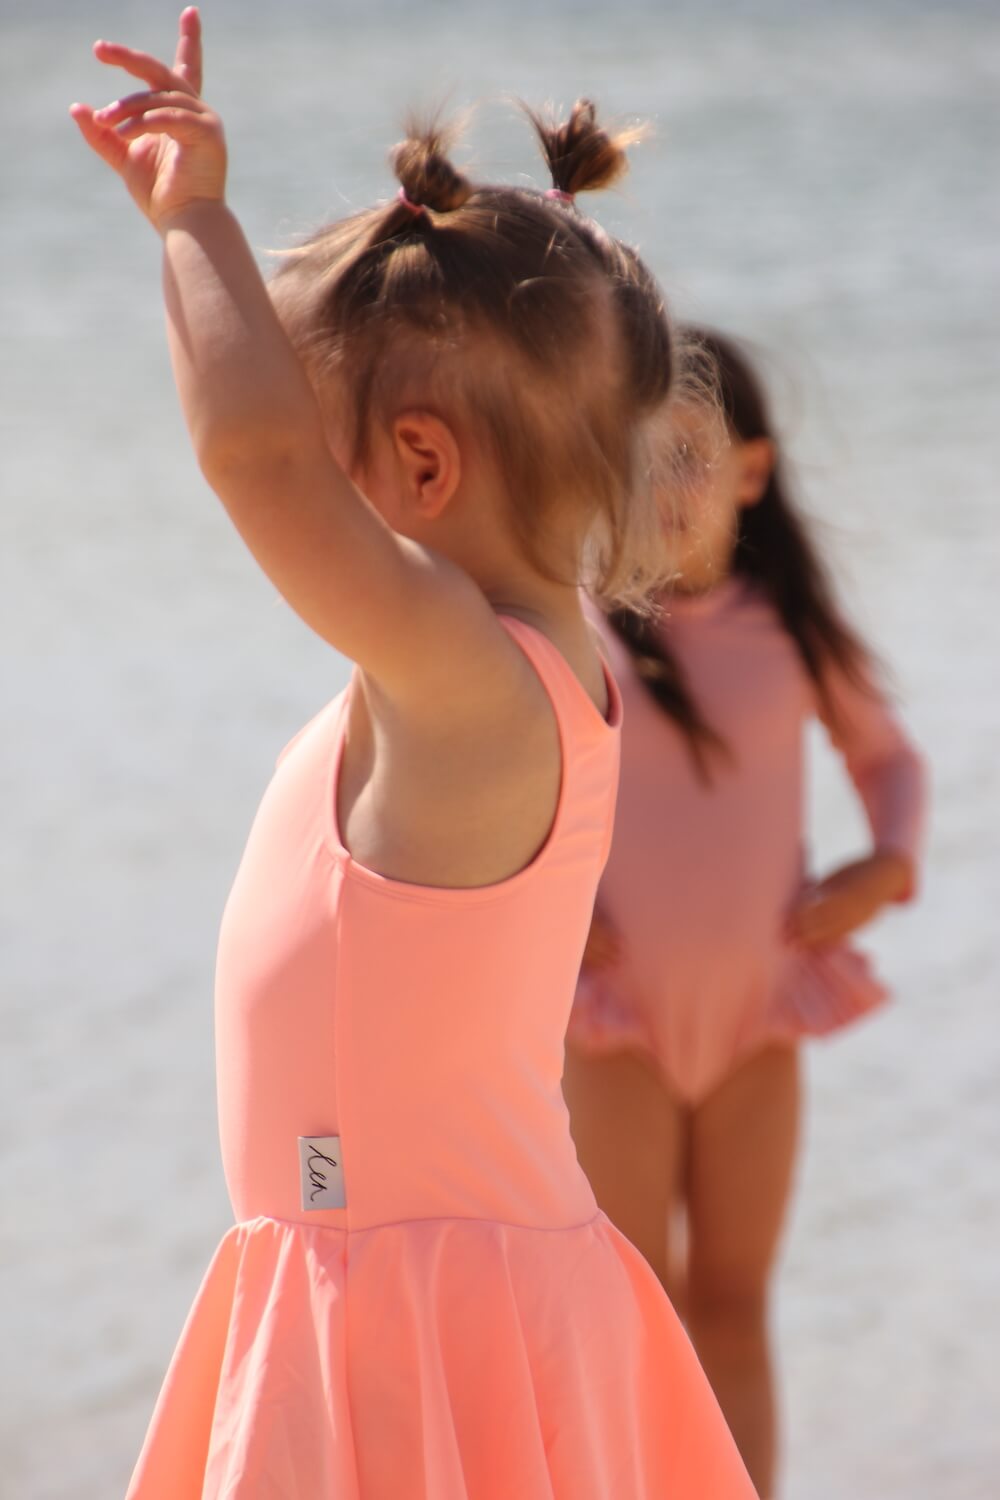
[420, 1299]
[700, 878]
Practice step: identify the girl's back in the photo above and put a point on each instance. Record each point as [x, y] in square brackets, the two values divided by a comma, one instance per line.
[347, 1003]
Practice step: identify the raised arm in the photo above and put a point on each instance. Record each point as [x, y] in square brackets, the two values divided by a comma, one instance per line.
[253, 417]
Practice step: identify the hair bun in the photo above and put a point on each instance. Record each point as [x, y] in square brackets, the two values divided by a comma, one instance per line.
[581, 155]
[426, 175]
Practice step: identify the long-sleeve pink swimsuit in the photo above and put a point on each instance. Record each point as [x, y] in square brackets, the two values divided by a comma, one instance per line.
[701, 876]
[420, 1299]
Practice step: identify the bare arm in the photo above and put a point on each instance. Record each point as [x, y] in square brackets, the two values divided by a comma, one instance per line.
[253, 417]
[259, 438]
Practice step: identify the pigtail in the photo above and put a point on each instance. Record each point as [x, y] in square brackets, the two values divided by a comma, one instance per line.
[582, 157]
[428, 183]
[424, 172]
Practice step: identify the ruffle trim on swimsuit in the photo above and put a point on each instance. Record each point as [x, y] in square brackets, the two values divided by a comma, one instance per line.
[440, 1359]
[603, 1019]
[822, 990]
[818, 991]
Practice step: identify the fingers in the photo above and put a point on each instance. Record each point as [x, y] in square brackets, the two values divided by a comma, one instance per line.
[811, 934]
[109, 130]
[108, 144]
[820, 939]
[117, 114]
[180, 115]
[603, 947]
[180, 124]
[186, 73]
[187, 60]
[805, 919]
[141, 65]
[819, 923]
[606, 950]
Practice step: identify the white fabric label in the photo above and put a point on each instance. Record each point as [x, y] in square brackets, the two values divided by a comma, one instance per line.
[321, 1172]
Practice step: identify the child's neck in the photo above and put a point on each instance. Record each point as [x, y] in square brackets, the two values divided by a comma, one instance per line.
[551, 607]
[492, 558]
[556, 611]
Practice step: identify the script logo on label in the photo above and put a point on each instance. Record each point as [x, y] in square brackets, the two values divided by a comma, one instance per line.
[321, 1172]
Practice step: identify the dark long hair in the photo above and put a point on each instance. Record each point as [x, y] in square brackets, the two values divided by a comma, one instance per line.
[773, 549]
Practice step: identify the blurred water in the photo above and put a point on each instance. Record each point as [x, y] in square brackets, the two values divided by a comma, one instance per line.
[822, 178]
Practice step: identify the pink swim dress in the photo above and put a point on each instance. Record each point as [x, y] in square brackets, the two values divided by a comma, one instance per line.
[420, 1299]
[702, 874]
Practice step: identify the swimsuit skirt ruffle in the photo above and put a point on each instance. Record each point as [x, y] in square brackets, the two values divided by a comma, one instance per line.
[451, 1372]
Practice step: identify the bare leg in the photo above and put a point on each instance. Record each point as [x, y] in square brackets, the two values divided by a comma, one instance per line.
[742, 1153]
[629, 1135]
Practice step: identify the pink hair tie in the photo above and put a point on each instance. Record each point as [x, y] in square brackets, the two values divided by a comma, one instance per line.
[416, 209]
[560, 195]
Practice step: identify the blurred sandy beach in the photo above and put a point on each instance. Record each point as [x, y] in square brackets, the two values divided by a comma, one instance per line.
[822, 180]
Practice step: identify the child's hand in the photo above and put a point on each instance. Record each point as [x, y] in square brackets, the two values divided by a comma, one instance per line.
[165, 143]
[847, 899]
[603, 945]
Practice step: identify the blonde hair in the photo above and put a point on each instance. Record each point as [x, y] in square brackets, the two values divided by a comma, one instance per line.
[482, 298]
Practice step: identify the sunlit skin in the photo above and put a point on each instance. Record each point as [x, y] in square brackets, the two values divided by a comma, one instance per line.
[726, 1165]
[407, 577]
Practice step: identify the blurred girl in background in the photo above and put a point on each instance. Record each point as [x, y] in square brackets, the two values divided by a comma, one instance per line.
[712, 954]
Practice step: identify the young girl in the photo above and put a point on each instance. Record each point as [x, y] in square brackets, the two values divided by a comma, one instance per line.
[711, 957]
[419, 438]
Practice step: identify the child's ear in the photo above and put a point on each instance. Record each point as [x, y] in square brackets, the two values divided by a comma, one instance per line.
[428, 455]
[757, 459]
